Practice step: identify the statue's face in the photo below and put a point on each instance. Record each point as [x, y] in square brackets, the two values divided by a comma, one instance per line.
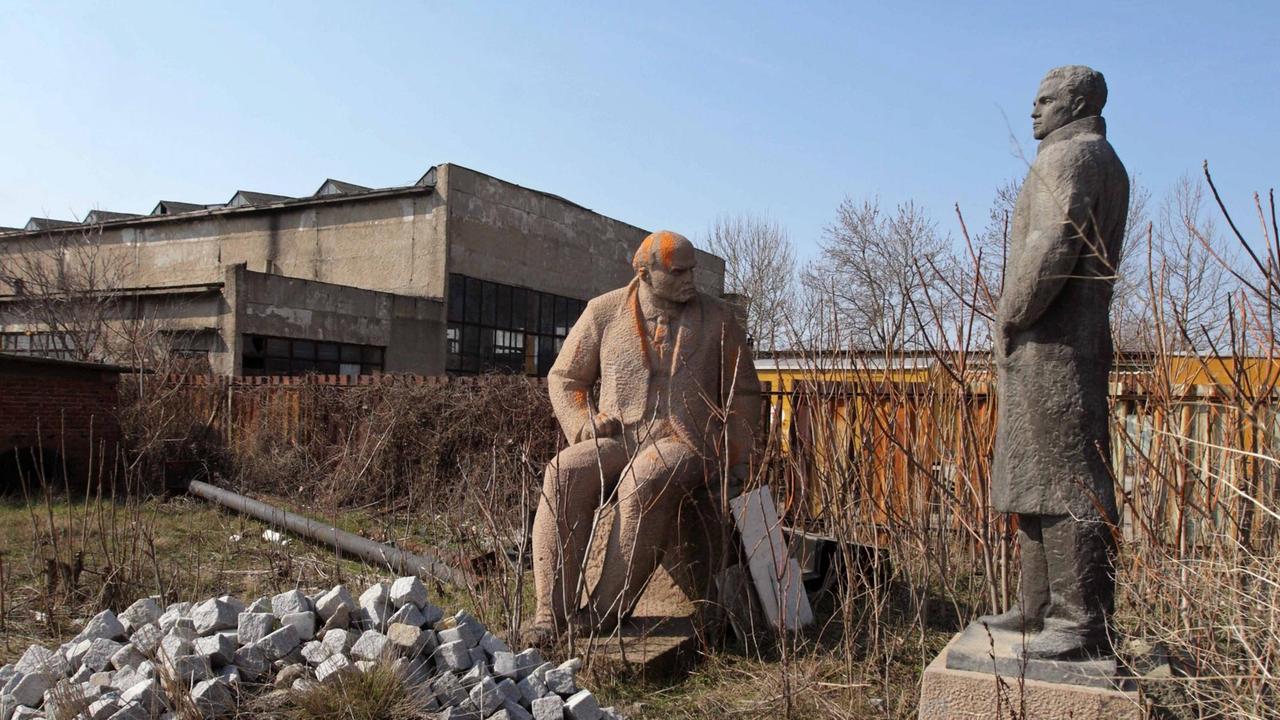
[671, 273]
[1053, 108]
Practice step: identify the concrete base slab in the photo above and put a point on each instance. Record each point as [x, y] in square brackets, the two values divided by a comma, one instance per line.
[947, 693]
[999, 652]
[650, 647]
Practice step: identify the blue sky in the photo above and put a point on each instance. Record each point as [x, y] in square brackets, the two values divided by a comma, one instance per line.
[659, 114]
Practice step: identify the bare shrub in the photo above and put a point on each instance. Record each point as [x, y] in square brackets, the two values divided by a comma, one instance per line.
[397, 444]
[760, 265]
[1198, 472]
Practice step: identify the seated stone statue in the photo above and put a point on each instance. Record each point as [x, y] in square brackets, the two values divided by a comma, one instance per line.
[678, 400]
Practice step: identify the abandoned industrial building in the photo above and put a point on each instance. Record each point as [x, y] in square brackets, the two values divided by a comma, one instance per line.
[460, 272]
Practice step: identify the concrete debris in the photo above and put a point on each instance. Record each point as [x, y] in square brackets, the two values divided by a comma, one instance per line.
[213, 698]
[304, 623]
[408, 614]
[275, 537]
[339, 641]
[220, 652]
[372, 645]
[97, 656]
[582, 705]
[213, 615]
[333, 668]
[410, 641]
[315, 652]
[328, 604]
[408, 590]
[550, 707]
[219, 648]
[103, 625]
[280, 643]
[142, 612]
[293, 601]
[146, 639]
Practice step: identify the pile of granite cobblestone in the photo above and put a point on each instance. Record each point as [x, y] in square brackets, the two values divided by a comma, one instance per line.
[220, 652]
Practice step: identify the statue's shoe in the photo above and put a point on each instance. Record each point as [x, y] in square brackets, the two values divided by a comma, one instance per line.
[1012, 621]
[1059, 644]
[543, 636]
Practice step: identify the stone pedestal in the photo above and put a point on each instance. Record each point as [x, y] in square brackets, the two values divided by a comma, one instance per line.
[662, 636]
[965, 681]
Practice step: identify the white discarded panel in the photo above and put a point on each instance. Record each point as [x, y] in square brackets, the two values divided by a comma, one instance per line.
[775, 574]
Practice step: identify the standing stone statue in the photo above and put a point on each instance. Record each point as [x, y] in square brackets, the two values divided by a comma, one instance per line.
[1053, 356]
[678, 399]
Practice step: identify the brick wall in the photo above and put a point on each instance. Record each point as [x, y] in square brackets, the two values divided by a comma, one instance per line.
[59, 406]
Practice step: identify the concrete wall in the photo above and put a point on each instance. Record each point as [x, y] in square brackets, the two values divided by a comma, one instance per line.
[510, 234]
[365, 265]
[411, 328]
[193, 317]
[392, 241]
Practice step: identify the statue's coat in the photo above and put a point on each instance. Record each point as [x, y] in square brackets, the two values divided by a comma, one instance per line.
[1052, 438]
[710, 361]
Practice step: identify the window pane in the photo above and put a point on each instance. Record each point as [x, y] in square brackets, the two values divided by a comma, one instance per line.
[327, 351]
[470, 340]
[457, 297]
[546, 355]
[350, 353]
[472, 310]
[547, 316]
[518, 305]
[351, 369]
[255, 344]
[328, 367]
[278, 347]
[531, 306]
[488, 303]
[276, 366]
[453, 348]
[562, 316]
[372, 356]
[301, 367]
[304, 349]
[502, 311]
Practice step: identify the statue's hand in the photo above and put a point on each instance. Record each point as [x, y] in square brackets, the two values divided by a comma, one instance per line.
[604, 425]
[1005, 338]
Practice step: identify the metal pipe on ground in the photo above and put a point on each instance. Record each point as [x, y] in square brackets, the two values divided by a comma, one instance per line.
[374, 552]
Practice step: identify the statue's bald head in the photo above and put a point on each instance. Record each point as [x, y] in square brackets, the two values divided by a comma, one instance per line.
[665, 260]
[663, 248]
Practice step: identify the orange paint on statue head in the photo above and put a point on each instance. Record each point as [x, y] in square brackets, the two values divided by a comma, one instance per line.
[667, 244]
[665, 260]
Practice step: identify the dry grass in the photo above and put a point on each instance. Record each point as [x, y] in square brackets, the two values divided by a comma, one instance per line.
[377, 694]
[191, 551]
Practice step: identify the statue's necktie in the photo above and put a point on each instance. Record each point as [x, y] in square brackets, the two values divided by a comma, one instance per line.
[662, 337]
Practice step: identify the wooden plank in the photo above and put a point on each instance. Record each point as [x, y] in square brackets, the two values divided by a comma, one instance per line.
[775, 574]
